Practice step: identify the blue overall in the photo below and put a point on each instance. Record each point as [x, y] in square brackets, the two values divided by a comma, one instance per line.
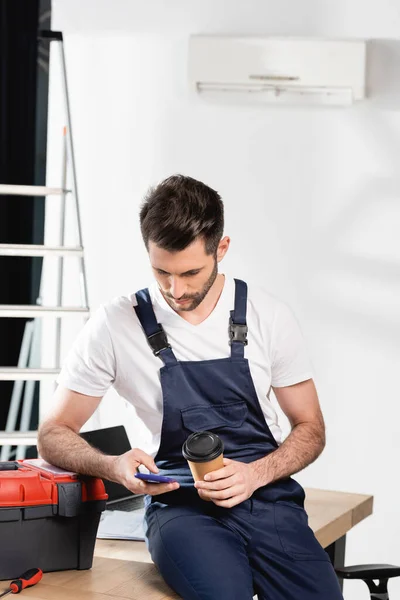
[261, 546]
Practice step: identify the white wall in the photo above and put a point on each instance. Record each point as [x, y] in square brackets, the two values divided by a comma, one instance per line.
[311, 200]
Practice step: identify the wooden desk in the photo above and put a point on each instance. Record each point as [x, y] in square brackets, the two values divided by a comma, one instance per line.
[123, 569]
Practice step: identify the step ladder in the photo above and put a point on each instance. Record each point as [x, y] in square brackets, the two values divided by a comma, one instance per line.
[27, 373]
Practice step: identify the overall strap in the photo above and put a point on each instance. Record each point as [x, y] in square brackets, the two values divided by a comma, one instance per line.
[237, 323]
[154, 331]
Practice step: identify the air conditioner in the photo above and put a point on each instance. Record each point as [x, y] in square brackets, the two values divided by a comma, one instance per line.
[278, 70]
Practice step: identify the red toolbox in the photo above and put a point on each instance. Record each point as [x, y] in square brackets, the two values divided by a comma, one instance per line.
[48, 517]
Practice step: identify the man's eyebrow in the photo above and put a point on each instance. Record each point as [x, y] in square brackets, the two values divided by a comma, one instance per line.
[192, 271]
[181, 274]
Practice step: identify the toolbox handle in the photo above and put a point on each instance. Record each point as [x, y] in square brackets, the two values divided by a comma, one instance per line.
[9, 466]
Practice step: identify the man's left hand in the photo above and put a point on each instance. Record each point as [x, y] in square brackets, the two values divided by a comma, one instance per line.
[229, 486]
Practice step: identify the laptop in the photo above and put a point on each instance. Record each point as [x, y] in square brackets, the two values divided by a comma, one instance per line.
[114, 440]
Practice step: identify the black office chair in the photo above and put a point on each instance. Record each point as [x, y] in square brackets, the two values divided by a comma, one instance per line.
[369, 573]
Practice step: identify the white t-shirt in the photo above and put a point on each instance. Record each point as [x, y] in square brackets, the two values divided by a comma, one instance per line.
[112, 350]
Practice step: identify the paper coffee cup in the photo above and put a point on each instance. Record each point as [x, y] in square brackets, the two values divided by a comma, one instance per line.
[204, 452]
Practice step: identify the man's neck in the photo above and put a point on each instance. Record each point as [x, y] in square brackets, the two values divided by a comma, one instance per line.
[204, 310]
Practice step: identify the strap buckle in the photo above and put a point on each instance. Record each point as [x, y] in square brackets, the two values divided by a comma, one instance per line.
[158, 341]
[238, 333]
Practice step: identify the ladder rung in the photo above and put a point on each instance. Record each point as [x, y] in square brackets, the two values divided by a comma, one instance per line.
[18, 438]
[33, 311]
[14, 374]
[35, 250]
[30, 190]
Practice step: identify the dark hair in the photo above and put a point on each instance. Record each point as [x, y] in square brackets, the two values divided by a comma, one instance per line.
[179, 210]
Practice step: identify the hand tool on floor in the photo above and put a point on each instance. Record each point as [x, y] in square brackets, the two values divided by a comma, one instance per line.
[27, 579]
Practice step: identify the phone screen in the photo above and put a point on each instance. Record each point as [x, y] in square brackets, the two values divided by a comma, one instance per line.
[152, 478]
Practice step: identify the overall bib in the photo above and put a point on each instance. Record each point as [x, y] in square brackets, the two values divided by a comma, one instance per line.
[205, 552]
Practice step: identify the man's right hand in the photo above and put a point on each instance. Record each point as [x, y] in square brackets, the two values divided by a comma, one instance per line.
[126, 466]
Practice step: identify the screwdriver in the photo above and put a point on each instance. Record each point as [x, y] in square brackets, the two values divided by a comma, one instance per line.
[28, 579]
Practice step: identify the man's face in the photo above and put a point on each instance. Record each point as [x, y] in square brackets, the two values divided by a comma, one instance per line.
[184, 277]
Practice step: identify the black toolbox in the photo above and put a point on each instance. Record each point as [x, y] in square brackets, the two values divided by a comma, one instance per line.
[48, 518]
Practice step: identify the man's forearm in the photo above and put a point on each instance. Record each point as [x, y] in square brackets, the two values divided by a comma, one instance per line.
[304, 444]
[64, 448]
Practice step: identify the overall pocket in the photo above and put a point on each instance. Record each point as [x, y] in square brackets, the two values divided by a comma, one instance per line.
[200, 418]
[297, 538]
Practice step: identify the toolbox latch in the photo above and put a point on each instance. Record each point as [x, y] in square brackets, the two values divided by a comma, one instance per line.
[69, 499]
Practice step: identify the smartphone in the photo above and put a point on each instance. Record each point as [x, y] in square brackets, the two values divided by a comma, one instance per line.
[152, 478]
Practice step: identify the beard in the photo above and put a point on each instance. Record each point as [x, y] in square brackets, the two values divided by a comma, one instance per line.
[197, 298]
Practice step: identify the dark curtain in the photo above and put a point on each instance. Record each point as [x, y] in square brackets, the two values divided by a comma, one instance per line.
[21, 218]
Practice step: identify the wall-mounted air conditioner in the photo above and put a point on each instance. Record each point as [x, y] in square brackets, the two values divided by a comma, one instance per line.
[278, 70]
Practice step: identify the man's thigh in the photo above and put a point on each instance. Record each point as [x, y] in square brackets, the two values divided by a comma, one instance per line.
[198, 557]
[287, 561]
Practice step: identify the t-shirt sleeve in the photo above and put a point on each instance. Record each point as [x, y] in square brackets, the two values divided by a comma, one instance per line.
[89, 367]
[290, 360]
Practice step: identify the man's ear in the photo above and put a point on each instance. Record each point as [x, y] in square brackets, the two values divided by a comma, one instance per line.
[223, 247]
